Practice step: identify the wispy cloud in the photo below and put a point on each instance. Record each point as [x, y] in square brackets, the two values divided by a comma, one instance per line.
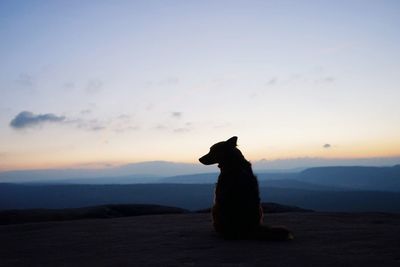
[182, 128]
[126, 129]
[26, 119]
[69, 86]
[272, 81]
[85, 124]
[160, 127]
[94, 86]
[85, 112]
[25, 80]
[124, 123]
[91, 126]
[188, 126]
[83, 120]
[124, 117]
[326, 79]
[169, 81]
[119, 124]
[327, 146]
[176, 114]
[329, 79]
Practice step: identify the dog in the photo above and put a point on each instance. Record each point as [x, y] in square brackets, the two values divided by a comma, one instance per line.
[237, 212]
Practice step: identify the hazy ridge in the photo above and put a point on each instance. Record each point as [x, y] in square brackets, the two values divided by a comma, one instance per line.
[322, 189]
[187, 196]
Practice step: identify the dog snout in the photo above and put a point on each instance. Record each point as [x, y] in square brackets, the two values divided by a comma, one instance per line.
[206, 160]
[202, 160]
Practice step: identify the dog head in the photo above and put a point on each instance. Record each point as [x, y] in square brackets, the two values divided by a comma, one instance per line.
[220, 151]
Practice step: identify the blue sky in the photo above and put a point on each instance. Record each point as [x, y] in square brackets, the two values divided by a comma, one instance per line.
[128, 81]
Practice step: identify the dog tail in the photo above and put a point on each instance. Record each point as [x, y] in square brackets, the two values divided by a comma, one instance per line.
[274, 233]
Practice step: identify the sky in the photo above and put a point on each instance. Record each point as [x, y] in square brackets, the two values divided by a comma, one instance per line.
[101, 83]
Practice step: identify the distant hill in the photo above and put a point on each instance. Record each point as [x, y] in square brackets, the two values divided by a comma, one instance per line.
[202, 178]
[211, 178]
[187, 196]
[111, 211]
[297, 184]
[334, 201]
[320, 178]
[360, 178]
[271, 207]
[15, 196]
[322, 189]
[144, 170]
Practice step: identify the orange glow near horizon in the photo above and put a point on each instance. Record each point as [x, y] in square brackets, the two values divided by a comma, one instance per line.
[99, 162]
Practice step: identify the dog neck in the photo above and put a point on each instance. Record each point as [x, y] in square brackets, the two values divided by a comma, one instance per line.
[235, 166]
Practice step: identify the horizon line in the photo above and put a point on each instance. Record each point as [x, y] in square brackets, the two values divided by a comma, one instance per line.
[110, 165]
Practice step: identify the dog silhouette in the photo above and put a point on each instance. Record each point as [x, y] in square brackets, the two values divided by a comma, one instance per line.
[237, 212]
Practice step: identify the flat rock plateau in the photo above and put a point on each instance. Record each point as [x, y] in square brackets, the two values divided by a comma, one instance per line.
[321, 239]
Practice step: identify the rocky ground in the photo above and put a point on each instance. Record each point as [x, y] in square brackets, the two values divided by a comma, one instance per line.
[321, 239]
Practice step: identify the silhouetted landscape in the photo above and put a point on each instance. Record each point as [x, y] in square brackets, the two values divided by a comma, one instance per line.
[340, 216]
[347, 189]
[126, 215]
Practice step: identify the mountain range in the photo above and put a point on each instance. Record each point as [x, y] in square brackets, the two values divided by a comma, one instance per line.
[321, 188]
[148, 171]
[337, 177]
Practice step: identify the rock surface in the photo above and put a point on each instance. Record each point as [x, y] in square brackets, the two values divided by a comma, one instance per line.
[94, 212]
[321, 239]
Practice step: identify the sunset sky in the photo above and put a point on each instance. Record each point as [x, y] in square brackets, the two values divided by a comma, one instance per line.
[92, 83]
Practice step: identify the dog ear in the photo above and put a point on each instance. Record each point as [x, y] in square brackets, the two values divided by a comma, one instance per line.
[232, 141]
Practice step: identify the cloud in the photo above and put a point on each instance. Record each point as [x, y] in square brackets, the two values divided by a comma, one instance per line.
[81, 121]
[176, 114]
[25, 80]
[329, 79]
[160, 127]
[327, 146]
[126, 129]
[96, 128]
[69, 86]
[94, 87]
[150, 106]
[89, 125]
[85, 112]
[124, 117]
[222, 125]
[272, 81]
[124, 123]
[186, 128]
[326, 80]
[182, 128]
[27, 119]
[119, 124]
